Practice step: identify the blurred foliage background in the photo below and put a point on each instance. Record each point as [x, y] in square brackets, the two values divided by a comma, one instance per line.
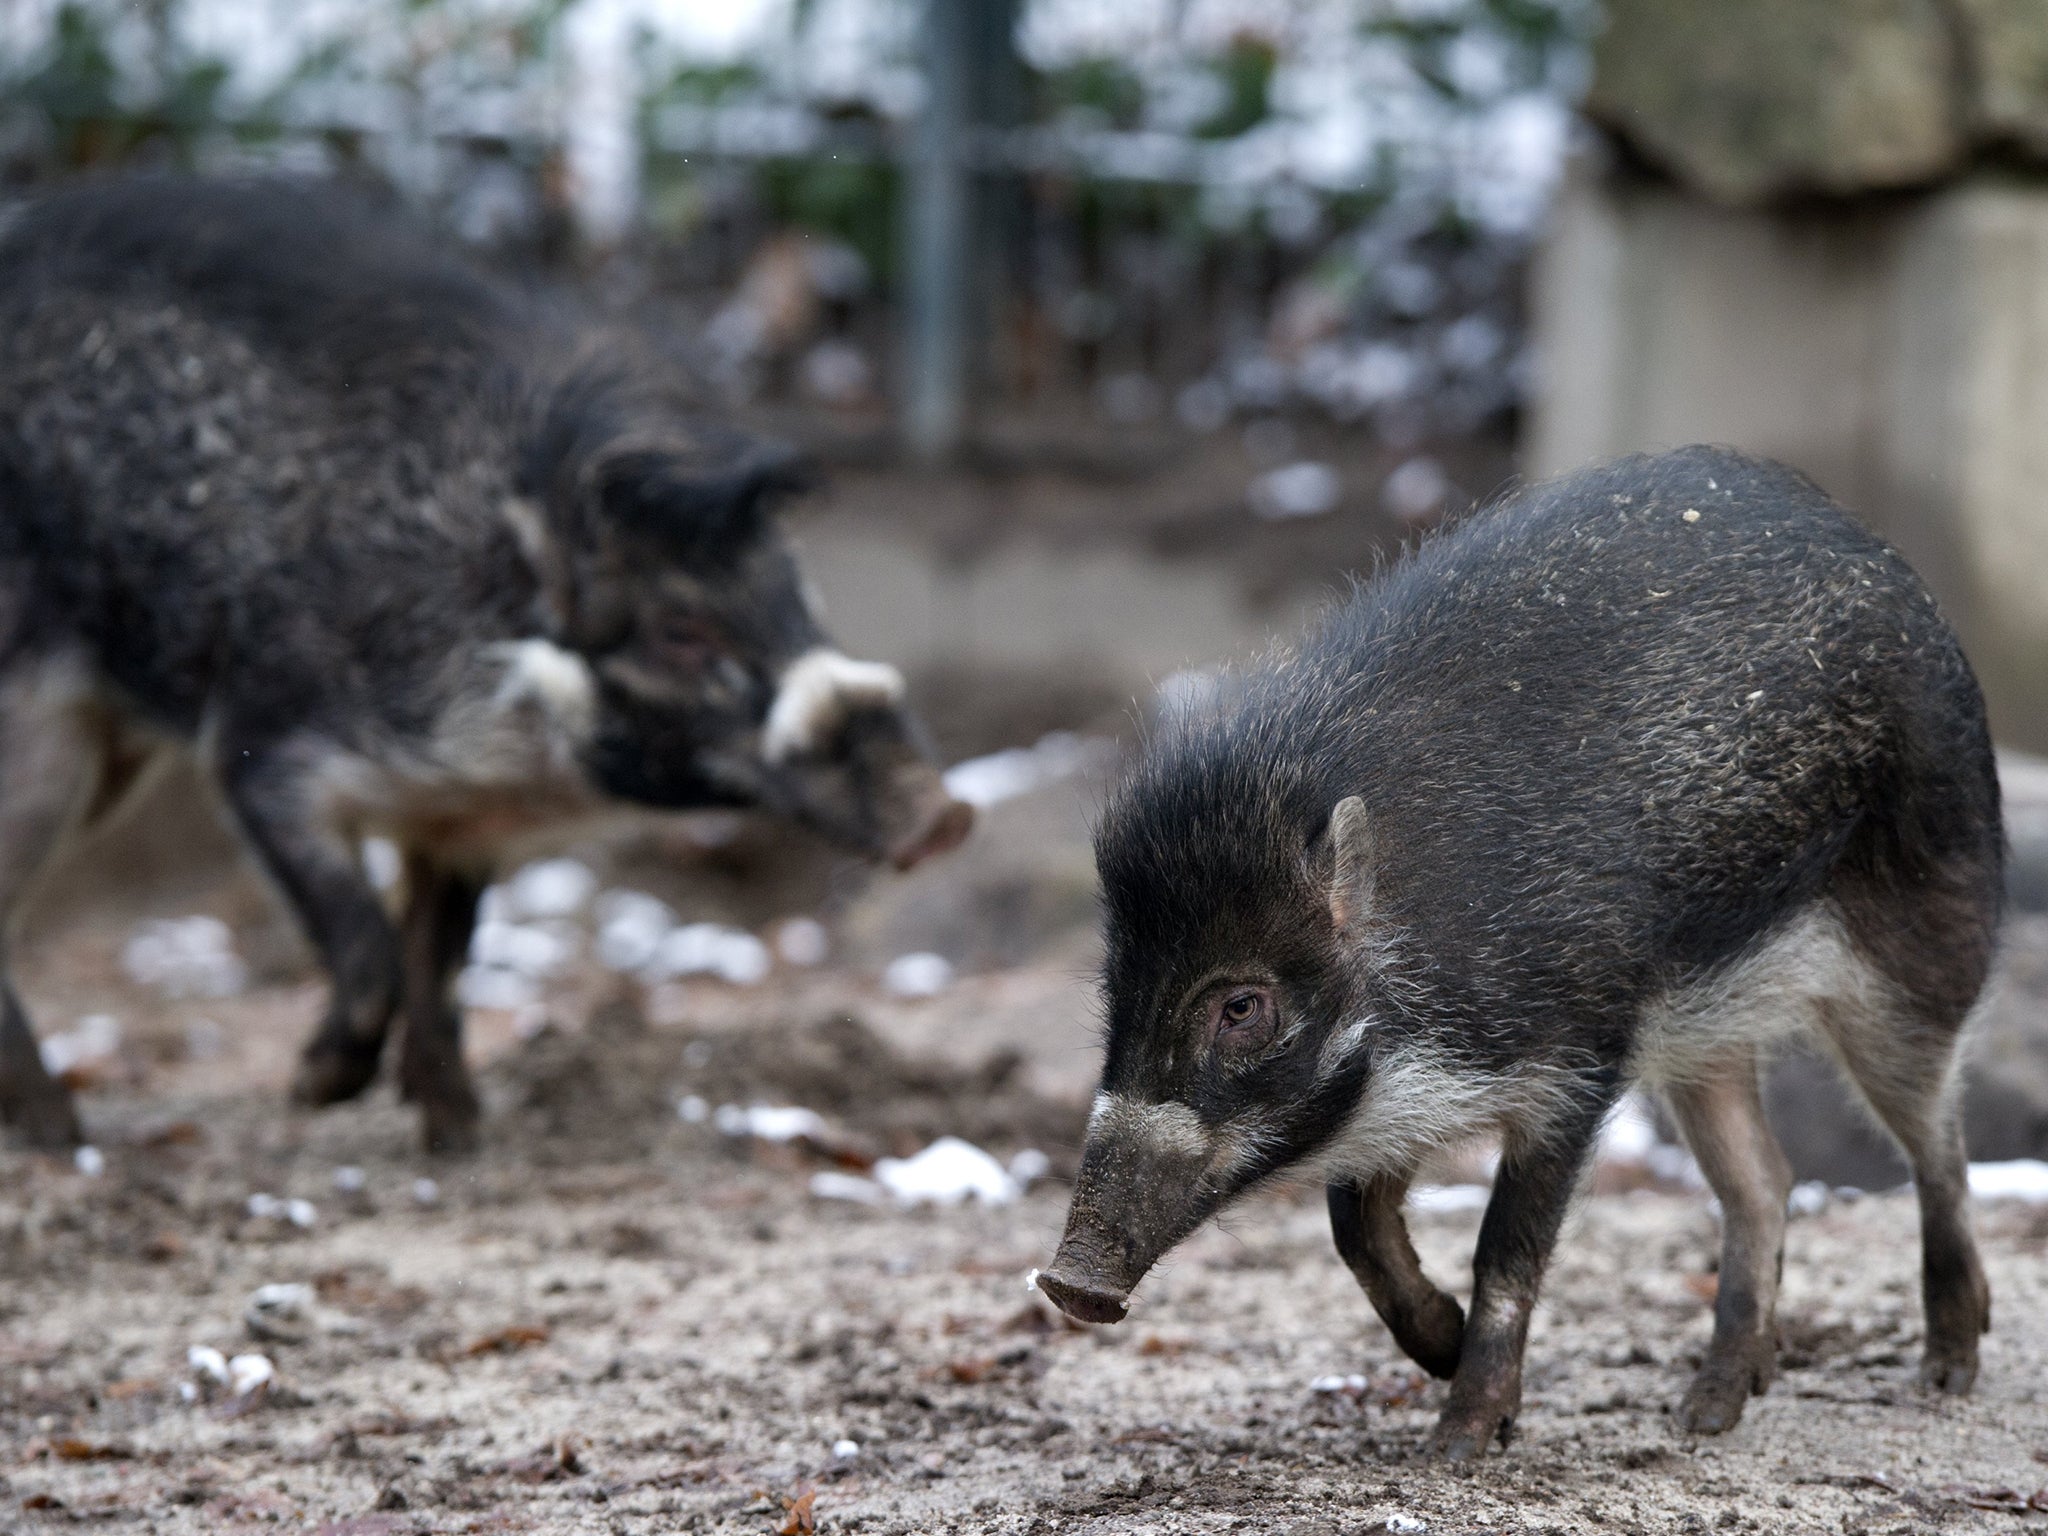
[1192, 213]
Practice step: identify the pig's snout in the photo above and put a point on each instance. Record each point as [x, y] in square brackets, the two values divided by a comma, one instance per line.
[1084, 1299]
[945, 830]
[1143, 1186]
[1099, 1264]
[845, 756]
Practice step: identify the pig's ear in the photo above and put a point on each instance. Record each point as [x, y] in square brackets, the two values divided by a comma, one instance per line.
[566, 568]
[1351, 868]
[699, 512]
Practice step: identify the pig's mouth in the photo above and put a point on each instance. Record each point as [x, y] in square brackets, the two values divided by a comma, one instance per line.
[1080, 1299]
[946, 830]
[1124, 1218]
[1093, 1274]
[900, 823]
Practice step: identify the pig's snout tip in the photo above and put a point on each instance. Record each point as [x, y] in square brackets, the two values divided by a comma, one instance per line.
[1085, 1301]
[942, 834]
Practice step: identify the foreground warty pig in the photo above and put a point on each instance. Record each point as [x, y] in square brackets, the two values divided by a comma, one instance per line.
[394, 549]
[1623, 781]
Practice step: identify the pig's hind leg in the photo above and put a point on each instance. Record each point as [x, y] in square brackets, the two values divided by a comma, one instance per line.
[49, 761]
[1372, 1238]
[440, 915]
[1954, 1291]
[1719, 1107]
[317, 869]
[1931, 947]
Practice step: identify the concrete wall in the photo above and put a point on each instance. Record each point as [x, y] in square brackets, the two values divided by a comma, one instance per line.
[1896, 350]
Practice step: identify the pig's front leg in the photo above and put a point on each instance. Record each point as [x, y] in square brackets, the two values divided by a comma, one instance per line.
[273, 797]
[1531, 1193]
[440, 915]
[1372, 1238]
[34, 1103]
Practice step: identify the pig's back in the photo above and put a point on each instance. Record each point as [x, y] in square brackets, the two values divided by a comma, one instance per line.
[1621, 727]
[247, 427]
[321, 278]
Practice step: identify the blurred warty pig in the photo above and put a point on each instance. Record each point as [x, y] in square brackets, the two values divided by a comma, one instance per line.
[395, 549]
[1620, 782]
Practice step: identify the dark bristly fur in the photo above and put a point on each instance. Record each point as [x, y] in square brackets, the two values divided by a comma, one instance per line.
[1621, 780]
[394, 547]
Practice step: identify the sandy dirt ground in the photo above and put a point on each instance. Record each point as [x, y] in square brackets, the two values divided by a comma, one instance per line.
[614, 1321]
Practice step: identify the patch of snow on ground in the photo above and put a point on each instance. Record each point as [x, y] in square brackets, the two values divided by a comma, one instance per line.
[550, 888]
[185, 957]
[1449, 1197]
[94, 1039]
[947, 1172]
[921, 974]
[2024, 1178]
[1000, 776]
[771, 1122]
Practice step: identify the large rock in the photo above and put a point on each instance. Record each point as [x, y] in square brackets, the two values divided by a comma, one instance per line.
[2024, 779]
[2007, 41]
[1748, 100]
[1891, 348]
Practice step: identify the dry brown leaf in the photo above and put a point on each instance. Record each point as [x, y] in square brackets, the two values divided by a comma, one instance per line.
[72, 1449]
[506, 1340]
[1398, 1389]
[1153, 1344]
[174, 1133]
[798, 1518]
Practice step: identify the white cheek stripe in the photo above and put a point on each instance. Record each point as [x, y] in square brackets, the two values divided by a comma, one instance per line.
[1170, 1129]
[817, 692]
[527, 526]
[1342, 1046]
[543, 673]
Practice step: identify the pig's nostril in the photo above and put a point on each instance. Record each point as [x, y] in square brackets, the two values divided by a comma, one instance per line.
[942, 834]
[1082, 1301]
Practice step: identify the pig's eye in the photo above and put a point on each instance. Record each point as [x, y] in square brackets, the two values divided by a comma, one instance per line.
[1242, 1021]
[685, 642]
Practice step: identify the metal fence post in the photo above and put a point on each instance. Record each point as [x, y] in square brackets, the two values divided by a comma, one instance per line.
[967, 48]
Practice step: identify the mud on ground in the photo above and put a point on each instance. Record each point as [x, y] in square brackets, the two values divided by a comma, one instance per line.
[618, 1322]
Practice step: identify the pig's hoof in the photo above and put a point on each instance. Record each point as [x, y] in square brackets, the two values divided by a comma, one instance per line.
[1713, 1404]
[1952, 1371]
[328, 1075]
[451, 1128]
[1957, 1317]
[1464, 1434]
[1723, 1386]
[43, 1121]
[1435, 1336]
